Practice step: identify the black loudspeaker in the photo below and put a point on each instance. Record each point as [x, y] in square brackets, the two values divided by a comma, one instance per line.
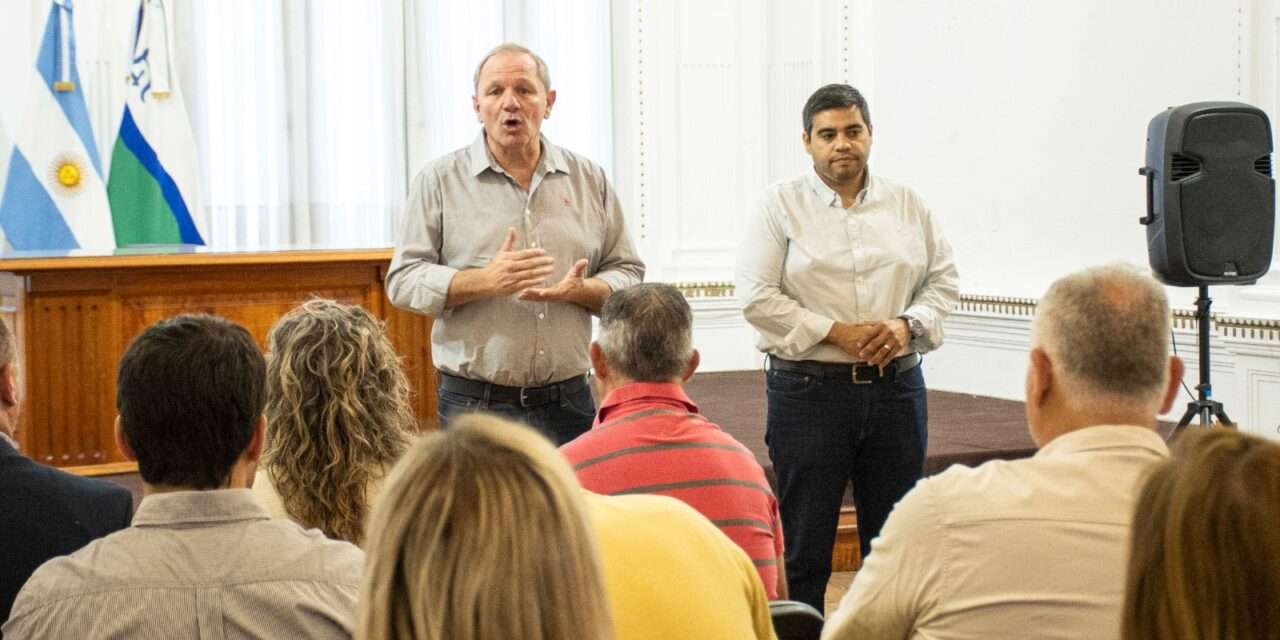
[1210, 196]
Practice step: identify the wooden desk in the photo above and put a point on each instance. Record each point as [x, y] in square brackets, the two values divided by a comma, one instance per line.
[74, 317]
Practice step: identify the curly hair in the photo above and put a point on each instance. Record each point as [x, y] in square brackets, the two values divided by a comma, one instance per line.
[338, 414]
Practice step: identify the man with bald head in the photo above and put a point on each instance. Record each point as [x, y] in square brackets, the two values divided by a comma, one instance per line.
[1036, 547]
[511, 244]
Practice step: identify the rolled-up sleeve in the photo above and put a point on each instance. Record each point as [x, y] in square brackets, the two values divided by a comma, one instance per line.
[416, 279]
[939, 291]
[781, 320]
[620, 266]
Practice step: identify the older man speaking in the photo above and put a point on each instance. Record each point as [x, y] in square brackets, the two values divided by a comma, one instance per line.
[511, 244]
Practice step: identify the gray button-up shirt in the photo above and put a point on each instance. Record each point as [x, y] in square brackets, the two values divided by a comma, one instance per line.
[195, 564]
[457, 216]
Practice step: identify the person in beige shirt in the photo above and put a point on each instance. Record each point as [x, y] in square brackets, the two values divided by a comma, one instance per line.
[338, 417]
[1036, 547]
[202, 558]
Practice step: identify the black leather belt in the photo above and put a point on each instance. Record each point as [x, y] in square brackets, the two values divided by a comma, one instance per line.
[858, 373]
[519, 396]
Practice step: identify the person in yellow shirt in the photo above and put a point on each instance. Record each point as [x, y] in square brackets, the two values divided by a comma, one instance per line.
[671, 573]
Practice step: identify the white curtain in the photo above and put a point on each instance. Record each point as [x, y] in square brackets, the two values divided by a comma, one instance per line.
[298, 110]
[310, 116]
[448, 39]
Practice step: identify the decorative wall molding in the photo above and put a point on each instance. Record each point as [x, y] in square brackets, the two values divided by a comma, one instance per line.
[1225, 326]
[997, 305]
[705, 289]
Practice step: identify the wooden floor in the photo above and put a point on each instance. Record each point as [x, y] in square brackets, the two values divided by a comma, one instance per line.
[836, 589]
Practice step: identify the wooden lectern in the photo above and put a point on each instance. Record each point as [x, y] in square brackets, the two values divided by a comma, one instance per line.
[74, 317]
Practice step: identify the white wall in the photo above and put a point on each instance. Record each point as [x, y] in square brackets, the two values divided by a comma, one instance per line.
[1022, 123]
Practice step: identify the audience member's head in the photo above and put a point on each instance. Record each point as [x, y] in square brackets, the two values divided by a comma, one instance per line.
[482, 533]
[189, 392]
[338, 414]
[1100, 353]
[10, 390]
[1205, 555]
[646, 335]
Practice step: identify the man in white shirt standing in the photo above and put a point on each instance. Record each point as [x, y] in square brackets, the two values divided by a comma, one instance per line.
[847, 279]
[1036, 547]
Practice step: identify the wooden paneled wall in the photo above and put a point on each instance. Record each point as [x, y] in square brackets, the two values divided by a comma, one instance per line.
[74, 317]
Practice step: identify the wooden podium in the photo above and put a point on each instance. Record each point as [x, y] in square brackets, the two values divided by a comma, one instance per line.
[74, 317]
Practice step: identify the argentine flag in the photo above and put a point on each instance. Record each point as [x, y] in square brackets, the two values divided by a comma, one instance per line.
[54, 197]
[152, 186]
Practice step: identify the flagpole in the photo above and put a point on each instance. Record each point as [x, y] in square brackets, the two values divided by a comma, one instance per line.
[63, 83]
[157, 21]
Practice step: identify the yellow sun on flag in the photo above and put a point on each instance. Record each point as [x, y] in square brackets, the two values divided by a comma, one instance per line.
[69, 175]
[66, 173]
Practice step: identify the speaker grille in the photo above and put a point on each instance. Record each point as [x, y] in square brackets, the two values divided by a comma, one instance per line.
[1263, 165]
[1185, 166]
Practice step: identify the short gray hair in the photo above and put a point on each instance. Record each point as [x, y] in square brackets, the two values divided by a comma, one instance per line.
[1108, 328]
[646, 332]
[544, 74]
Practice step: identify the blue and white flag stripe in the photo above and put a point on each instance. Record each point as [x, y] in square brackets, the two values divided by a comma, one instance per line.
[30, 218]
[54, 196]
[56, 57]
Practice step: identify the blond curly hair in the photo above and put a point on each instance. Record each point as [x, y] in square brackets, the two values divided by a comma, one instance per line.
[338, 414]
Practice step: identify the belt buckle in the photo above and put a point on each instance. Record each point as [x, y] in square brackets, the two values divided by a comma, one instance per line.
[524, 397]
[858, 380]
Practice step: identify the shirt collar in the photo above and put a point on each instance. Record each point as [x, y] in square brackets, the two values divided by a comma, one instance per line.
[480, 158]
[664, 392]
[1104, 437]
[832, 199]
[4, 437]
[198, 507]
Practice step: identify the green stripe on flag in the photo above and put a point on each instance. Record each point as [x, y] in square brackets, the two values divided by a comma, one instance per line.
[138, 208]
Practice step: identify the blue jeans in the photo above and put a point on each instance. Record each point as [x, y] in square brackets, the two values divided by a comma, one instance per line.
[560, 421]
[824, 432]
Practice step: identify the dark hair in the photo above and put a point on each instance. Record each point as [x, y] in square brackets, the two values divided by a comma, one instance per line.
[190, 393]
[834, 96]
[646, 332]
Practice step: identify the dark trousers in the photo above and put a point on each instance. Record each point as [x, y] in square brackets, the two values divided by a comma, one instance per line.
[560, 421]
[823, 433]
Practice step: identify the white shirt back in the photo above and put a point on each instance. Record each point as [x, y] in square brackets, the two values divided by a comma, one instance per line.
[1025, 548]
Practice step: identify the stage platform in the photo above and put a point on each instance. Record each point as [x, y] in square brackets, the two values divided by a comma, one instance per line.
[963, 429]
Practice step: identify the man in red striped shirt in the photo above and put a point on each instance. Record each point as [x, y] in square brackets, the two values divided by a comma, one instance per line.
[648, 437]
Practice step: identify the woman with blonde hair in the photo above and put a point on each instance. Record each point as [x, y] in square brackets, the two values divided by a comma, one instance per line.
[338, 417]
[482, 534]
[1205, 553]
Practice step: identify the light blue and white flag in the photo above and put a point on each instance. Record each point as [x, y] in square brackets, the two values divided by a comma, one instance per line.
[54, 197]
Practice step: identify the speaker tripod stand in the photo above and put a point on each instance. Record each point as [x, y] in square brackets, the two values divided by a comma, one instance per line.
[1204, 407]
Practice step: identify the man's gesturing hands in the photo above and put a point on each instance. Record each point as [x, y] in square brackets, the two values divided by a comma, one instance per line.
[567, 290]
[515, 271]
[524, 273]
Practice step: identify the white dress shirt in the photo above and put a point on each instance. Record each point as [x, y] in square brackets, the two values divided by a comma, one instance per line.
[806, 262]
[1024, 548]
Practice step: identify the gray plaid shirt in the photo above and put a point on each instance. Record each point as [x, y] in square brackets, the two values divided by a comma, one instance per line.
[195, 564]
[456, 218]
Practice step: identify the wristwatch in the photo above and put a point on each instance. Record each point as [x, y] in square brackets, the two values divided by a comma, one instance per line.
[914, 326]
